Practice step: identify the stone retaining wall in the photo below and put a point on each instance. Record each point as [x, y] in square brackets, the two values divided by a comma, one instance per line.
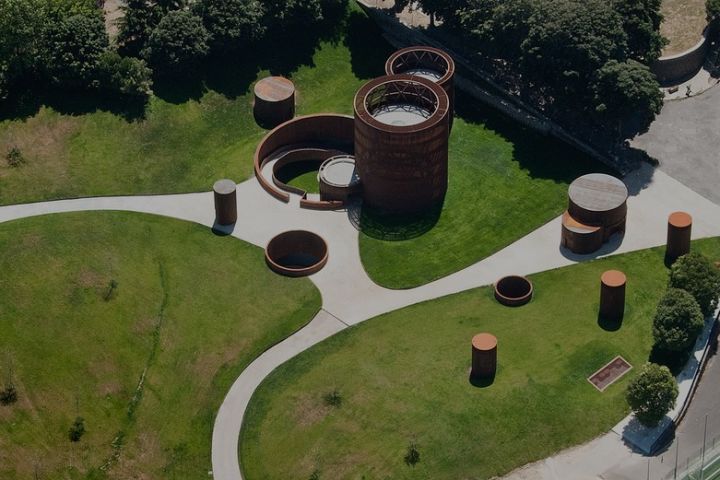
[675, 69]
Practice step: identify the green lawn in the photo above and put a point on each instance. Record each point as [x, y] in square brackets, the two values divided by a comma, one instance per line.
[403, 377]
[303, 175]
[190, 311]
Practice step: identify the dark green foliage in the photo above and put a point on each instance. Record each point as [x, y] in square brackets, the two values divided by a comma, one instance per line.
[179, 41]
[14, 157]
[626, 88]
[77, 430]
[139, 19]
[20, 23]
[315, 475]
[283, 13]
[333, 399]
[231, 24]
[641, 21]
[678, 321]
[569, 40]
[8, 395]
[125, 75]
[72, 48]
[713, 9]
[695, 273]
[412, 456]
[652, 394]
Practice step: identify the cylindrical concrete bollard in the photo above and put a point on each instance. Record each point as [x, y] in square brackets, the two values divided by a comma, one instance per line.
[484, 355]
[678, 235]
[225, 202]
[612, 295]
[274, 101]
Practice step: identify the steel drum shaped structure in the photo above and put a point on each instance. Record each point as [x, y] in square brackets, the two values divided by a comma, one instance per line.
[426, 62]
[401, 143]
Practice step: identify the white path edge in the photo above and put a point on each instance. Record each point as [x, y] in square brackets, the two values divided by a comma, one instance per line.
[350, 297]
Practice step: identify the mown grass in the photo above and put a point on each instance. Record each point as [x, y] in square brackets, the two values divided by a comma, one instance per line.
[403, 377]
[190, 310]
[683, 24]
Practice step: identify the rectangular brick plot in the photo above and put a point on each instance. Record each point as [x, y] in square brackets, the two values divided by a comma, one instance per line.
[610, 373]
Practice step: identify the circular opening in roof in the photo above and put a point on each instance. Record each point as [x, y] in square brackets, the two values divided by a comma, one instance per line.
[425, 62]
[401, 102]
[296, 253]
[513, 290]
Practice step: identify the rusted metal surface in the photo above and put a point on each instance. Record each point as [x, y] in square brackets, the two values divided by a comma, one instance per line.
[612, 295]
[678, 235]
[296, 253]
[409, 60]
[403, 168]
[338, 178]
[513, 290]
[610, 373]
[225, 195]
[484, 355]
[274, 101]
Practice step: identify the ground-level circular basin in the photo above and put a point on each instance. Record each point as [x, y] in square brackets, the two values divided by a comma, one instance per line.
[513, 290]
[296, 253]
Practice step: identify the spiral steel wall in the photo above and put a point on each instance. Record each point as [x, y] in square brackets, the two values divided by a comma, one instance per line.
[403, 167]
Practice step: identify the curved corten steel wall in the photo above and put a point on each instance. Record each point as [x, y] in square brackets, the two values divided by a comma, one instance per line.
[411, 58]
[403, 168]
[296, 253]
[513, 290]
[673, 69]
[327, 130]
[316, 155]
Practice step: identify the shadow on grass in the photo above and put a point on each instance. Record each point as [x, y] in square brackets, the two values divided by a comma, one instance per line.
[391, 226]
[481, 382]
[609, 324]
[675, 361]
[368, 48]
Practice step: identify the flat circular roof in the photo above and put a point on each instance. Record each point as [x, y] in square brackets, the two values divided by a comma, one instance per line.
[484, 341]
[401, 114]
[598, 192]
[224, 186]
[613, 278]
[339, 171]
[680, 219]
[274, 89]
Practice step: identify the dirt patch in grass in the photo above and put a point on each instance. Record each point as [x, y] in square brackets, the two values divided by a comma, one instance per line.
[683, 25]
[310, 409]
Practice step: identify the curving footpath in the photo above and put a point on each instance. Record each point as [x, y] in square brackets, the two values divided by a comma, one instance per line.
[350, 296]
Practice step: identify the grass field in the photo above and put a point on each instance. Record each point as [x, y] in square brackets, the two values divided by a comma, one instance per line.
[683, 24]
[403, 377]
[189, 310]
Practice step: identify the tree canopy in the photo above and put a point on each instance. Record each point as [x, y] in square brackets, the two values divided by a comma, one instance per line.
[652, 394]
[179, 41]
[695, 273]
[678, 321]
[231, 24]
[622, 89]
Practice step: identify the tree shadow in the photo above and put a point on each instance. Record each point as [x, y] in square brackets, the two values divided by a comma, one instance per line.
[381, 225]
[609, 324]
[481, 382]
[675, 361]
[368, 48]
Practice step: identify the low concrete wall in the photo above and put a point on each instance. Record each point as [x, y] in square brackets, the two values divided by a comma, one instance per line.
[675, 69]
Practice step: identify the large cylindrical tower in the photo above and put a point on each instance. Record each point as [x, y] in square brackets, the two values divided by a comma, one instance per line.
[401, 143]
[426, 62]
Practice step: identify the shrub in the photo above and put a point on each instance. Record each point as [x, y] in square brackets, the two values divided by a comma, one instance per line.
[712, 8]
[8, 395]
[696, 274]
[412, 456]
[231, 24]
[179, 41]
[678, 321]
[77, 430]
[652, 394]
[15, 157]
[125, 75]
[333, 399]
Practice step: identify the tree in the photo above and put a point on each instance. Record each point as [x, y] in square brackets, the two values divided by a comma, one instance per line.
[499, 27]
[678, 321]
[622, 89]
[125, 75]
[641, 21]
[569, 40]
[712, 8]
[77, 430]
[72, 47]
[695, 273]
[139, 19]
[231, 24]
[179, 41]
[652, 394]
[283, 13]
[20, 22]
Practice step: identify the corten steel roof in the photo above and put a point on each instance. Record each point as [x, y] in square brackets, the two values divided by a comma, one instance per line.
[680, 219]
[484, 341]
[574, 226]
[421, 57]
[613, 278]
[274, 89]
[399, 90]
[598, 192]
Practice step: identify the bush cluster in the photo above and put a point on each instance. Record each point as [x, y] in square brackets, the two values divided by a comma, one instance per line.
[77, 430]
[652, 394]
[695, 273]
[678, 321]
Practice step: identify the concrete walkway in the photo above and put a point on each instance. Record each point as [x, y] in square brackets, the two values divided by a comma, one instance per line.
[350, 297]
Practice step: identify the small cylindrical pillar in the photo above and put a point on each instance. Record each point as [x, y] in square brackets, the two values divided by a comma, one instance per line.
[484, 355]
[678, 235]
[225, 192]
[612, 295]
[274, 101]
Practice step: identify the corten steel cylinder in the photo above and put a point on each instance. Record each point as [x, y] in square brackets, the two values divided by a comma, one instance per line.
[296, 253]
[484, 356]
[426, 62]
[678, 235]
[580, 238]
[612, 295]
[225, 192]
[401, 143]
[598, 199]
[274, 101]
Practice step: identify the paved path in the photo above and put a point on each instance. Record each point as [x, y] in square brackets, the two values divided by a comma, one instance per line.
[685, 140]
[350, 297]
